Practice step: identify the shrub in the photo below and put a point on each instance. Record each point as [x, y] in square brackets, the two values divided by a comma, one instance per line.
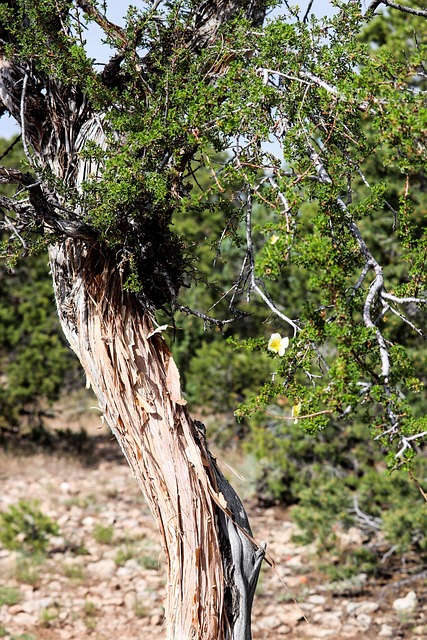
[336, 480]
[24, 527]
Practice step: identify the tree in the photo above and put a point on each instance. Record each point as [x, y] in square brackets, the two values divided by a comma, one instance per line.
[113, 156]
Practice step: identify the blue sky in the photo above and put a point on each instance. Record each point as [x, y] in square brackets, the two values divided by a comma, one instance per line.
[116, 10]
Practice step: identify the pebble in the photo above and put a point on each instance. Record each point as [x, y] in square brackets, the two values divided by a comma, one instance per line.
[356, 608]
[420, 630]
[102, 569]
[316, 599]
[33, 606]
[385, 631]
[269, 623]
[406, 604]
[364, 621]
[290, 614]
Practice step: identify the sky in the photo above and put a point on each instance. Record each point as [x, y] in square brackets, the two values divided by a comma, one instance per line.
[116, 10]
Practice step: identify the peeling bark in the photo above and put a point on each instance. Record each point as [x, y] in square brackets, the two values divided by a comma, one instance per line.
[212, 562]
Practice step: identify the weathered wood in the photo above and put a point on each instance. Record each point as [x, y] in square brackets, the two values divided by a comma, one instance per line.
[212, 564]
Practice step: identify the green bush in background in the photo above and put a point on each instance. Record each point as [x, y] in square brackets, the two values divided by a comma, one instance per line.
[35, 361]
[23, 527]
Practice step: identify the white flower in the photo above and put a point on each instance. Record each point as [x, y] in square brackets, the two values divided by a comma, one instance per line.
[274, 238]
[278, 344]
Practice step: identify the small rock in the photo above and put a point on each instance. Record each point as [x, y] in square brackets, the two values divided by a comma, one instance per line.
[385, 631]
[364, 620]
[14, 609]
[156, 620]
[356, 608]
[328, 619]
[65, 634]
[283, 629]
[102, 568]
[290, 615]
[130, 599]
[406, 604]
[38, 604]
[316, 599]
[269, 623]
[367, 607]
[320, 633]
[420, 630]
[57, 542]
[23, 619]
[88, 521]
[115, 601]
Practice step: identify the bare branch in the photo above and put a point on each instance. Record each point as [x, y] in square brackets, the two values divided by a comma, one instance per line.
[253, 284]
[407, 442]
[209, 320]
[405, 319]
[8, 224]
[389, 296]
[10, 147]
[394, 5]
[364, 518]
[307, 13]
[108, 27]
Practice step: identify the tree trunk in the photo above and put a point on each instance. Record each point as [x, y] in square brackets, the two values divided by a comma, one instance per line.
[212, 562]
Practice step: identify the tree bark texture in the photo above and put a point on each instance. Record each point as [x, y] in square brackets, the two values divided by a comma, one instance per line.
[212, 560]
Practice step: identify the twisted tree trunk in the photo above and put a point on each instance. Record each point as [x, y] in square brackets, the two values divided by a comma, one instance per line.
[212, 560]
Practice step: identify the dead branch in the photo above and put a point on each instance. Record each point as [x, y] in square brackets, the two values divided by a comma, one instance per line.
[395, 5]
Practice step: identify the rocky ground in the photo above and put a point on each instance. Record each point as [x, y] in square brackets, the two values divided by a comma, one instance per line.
[103, 576]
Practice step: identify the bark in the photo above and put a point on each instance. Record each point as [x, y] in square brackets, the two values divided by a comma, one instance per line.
[212, 560]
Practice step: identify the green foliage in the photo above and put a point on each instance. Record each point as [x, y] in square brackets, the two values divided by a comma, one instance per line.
[25, 528]
[336, 480]
[9, 596]
[300, 228]
[35, 362]
[103, 534]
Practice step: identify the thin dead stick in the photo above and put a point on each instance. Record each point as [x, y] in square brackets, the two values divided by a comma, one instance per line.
[421, 490]
[308, 415]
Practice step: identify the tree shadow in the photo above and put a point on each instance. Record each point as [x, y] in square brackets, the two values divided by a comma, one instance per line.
[90, 450]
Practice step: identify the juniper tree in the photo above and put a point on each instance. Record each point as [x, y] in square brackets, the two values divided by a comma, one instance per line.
[113, 159]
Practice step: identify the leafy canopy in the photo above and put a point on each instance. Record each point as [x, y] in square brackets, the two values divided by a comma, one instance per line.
[287, 120]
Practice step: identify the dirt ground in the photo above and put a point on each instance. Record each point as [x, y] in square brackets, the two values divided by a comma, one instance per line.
[103, 576]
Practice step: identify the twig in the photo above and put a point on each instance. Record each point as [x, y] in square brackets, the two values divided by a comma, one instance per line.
[108, 27]
[9, 224]
[208, 320]
[396, 585]
[407, 442]
[390, 296]
[405, 319]
[307, 13]
[370, 521]
[308, 415]
[394, 5]
[251, 260]
[417, 482]
[10, 147]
